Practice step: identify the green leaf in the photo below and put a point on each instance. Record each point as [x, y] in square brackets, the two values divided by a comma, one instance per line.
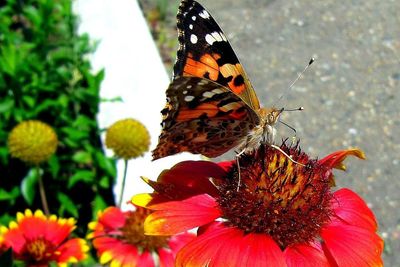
[5, 219]
[67, 204]
[98, 204]
[4, 155]
[74, 134]
[54, 165]
[81, 176]
[104, 182]
[45, 105]
[29, 186]
[6, 105]
[30, 101]
[8, 59]
[106, 163]
[11, 196]
[82, 157]
[33, 15]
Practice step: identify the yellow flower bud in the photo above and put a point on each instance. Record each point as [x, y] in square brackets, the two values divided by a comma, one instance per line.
[128, 139]
[32, 141]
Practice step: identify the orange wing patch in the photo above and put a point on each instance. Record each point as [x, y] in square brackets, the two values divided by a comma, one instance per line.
[229, 75]
[232, 110]
[237, 84]
[207, 65]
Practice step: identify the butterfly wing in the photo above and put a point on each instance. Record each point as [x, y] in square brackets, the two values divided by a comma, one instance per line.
[205, 52]
[202, 117]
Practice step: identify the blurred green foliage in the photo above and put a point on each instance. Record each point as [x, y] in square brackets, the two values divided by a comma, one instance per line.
[45, 75]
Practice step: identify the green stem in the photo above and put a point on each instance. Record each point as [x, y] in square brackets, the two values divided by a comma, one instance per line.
[42, 192]
[121, 195]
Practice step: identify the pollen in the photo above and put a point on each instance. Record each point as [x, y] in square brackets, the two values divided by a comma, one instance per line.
[286, 200]
[38, 249]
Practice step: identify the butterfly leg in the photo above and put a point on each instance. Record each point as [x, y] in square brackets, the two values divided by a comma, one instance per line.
[238, 166]
[288, 156]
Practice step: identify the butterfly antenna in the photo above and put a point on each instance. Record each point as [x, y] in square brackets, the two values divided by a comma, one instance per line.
[289, 126]
[293, 83]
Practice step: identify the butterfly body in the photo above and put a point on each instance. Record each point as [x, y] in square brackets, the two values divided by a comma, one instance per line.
[211, 104]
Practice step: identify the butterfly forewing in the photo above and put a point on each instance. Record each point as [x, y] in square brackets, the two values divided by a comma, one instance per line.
[202, 117]
[205, 52]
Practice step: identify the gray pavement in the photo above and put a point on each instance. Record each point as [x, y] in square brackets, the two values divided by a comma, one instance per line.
[350, 94]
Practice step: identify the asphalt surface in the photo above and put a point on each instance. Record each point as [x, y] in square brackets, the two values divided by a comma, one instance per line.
[350, 94]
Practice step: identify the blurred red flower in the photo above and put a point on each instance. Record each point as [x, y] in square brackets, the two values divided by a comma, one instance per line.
[118, 236]
[39, 240]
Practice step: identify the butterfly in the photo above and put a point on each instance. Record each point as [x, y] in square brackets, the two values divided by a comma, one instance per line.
[211, 105]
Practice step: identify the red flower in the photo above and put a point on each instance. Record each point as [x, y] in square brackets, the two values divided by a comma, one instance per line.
[282, 214]
[119, 240]
[38, 240]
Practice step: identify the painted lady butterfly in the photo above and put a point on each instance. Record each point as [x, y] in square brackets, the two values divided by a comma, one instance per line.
[211, 104]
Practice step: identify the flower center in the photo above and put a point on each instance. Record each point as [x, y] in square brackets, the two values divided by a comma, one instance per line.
[38, 250]
[133, 232]
[286, 200]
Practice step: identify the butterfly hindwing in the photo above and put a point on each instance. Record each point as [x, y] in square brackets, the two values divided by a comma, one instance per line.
[202, 117]
[204, 51]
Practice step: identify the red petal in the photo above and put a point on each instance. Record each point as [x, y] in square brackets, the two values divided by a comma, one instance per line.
[112, 218]
[73, 248]
[123, 253]
[56, 232]
[33, 227]
[166, 258]
[349, 245]
[352, 209]
[177, 242]
[145, 259]
[263, 251]
[205, 247]
[103, 244]
[306, 255]
[229, 247]
[178, 216]
[189, 178]
[16, 239]
[335, 160]
[227, 165]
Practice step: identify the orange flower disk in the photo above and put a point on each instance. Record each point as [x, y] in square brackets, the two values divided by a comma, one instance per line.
[38, 240]
[283, 214]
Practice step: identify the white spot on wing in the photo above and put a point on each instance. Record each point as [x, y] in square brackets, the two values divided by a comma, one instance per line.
[184, 92]
[193, 39]
[208, 94]
[189, 98]
[191, 26]
[193, 18]
[230, 106]
[217, 91]
[204, 14]
[209, 39]
[215, 37]
[189, 86]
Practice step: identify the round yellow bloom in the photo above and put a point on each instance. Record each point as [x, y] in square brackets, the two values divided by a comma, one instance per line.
[32, 141]
[128, 139]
